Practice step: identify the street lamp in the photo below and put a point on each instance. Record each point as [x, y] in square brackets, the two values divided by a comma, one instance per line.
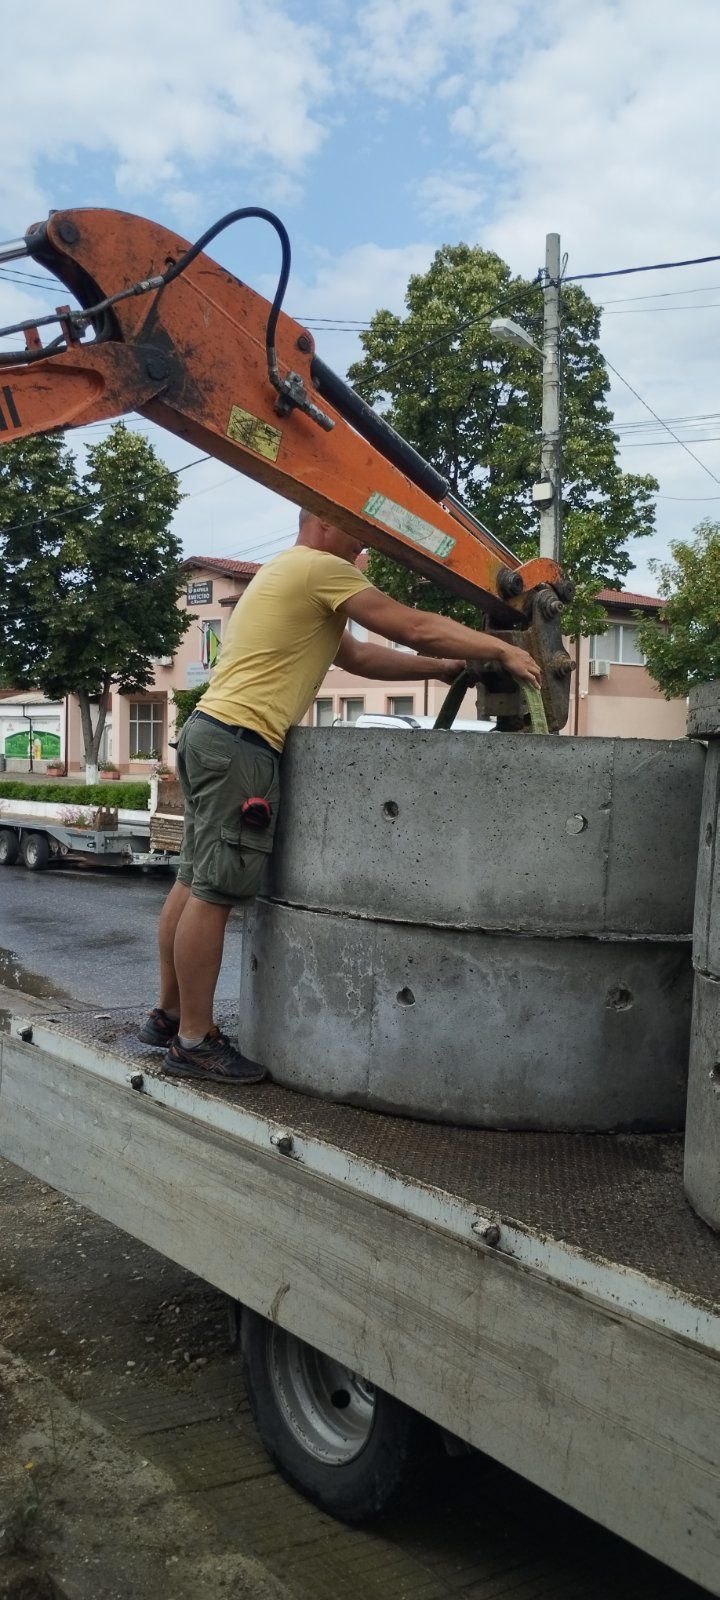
[547, 494]
[505, 328]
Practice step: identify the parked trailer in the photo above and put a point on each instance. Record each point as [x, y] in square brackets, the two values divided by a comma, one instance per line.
[550, 1299]
[37, 834]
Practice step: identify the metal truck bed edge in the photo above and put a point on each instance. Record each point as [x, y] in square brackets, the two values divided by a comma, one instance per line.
[550, 1298]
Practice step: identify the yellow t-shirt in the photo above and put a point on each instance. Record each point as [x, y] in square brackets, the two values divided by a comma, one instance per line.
[281, 638]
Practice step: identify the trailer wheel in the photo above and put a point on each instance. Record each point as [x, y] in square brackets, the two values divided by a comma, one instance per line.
[35, 851]
[9, 847]
[351, 1448]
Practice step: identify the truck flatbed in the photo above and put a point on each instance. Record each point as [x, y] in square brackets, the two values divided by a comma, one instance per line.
[551, 1299]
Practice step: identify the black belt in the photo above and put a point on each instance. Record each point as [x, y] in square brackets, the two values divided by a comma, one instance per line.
[239, 733]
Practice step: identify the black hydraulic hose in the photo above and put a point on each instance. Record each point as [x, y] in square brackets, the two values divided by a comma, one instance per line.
[219, 227]
[159, 283]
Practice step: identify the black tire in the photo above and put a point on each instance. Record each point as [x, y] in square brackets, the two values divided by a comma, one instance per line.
[35, 851]
[9, 847]
[392, 1446]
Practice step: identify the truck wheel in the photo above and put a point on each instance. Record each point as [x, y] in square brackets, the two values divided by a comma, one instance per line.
[351, 1448]
[35, 851]
[9, 847]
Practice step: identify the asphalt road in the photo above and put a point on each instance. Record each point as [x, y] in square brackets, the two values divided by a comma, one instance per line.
[90, 934]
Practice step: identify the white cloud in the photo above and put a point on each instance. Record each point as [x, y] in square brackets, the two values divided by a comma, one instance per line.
[455, 195]
[601, 122]
[165, 97]
[351, 287]
[407, 47]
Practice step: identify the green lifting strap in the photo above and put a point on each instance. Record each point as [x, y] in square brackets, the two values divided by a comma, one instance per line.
[457, 691]
[454, 699]
[534, 702]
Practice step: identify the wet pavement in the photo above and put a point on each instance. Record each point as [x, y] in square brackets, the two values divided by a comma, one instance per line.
[90, 934]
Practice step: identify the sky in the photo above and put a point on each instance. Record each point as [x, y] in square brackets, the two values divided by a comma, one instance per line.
[380, 130]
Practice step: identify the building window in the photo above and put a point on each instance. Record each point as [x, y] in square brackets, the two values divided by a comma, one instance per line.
[210, 643]
[147, 718]
[323, 714]
[352, 708]
[619, 645]
[401, 705]
[357, 631]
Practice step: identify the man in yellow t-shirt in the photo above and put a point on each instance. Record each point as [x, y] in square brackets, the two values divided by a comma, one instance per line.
[283, 635]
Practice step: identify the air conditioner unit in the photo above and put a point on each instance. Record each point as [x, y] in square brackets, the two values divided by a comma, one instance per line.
[162, 661]
[599, 669]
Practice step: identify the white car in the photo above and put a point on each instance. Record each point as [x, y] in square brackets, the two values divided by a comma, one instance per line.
[379, 719]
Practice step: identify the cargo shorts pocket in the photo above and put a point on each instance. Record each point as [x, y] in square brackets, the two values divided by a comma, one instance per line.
[241, 857]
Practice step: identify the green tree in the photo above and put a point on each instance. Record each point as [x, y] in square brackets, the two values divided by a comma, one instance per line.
[684, 647]
[185, 701]
[471, 405]
[90, 570]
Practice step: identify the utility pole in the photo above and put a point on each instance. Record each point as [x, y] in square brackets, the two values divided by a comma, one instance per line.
[547, 494]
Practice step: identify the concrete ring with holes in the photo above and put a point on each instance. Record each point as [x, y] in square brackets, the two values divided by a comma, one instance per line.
[489, 929]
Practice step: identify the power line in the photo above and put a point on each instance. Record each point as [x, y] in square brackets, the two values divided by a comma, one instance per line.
[625, 272]
[694, 416]
[450, 333]
[652, 444]
[665, 425]
[30, 279]
[80, 504]
[666, 294]
[648, 311]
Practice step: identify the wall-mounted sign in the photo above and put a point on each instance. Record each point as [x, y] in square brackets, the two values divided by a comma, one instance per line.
[195, 673]
[200, 594]
[45, 745]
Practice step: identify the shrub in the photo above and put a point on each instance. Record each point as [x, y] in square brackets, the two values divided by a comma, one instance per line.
[185, 702]
[130, 796]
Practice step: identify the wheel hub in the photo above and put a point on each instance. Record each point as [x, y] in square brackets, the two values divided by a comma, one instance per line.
[330, 1409]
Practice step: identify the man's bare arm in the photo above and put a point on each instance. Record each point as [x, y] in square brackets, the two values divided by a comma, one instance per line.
[377, 661]
[433, 635]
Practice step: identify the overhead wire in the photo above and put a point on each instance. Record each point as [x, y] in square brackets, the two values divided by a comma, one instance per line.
[663, 424]
[626, 272]
[81, 502]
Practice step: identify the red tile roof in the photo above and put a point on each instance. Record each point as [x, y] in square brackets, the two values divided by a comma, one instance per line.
[231, 569]
[247, 569]
[625, 597]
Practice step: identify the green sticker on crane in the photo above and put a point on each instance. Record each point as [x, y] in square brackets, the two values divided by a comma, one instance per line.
[400, 520]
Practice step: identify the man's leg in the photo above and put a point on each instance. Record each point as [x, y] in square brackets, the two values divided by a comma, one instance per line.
[161, 1024]
[172, 911]
[198, 950]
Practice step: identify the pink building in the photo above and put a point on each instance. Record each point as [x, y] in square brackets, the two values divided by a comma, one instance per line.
[612, 693]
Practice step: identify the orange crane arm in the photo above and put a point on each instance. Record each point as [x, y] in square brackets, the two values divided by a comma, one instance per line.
[189, 349]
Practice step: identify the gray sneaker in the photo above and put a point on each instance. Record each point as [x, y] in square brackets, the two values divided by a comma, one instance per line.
[214, 1060]
[158, 1029]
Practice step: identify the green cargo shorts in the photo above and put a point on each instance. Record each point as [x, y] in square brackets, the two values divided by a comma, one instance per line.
[222, 859]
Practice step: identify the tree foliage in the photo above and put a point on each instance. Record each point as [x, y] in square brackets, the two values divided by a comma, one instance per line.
[471, 405]
[90, 570]
[684, 648]
[185, 701]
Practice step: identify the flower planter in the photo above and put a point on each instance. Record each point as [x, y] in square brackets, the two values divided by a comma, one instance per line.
[55, 772]
[109, 777]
